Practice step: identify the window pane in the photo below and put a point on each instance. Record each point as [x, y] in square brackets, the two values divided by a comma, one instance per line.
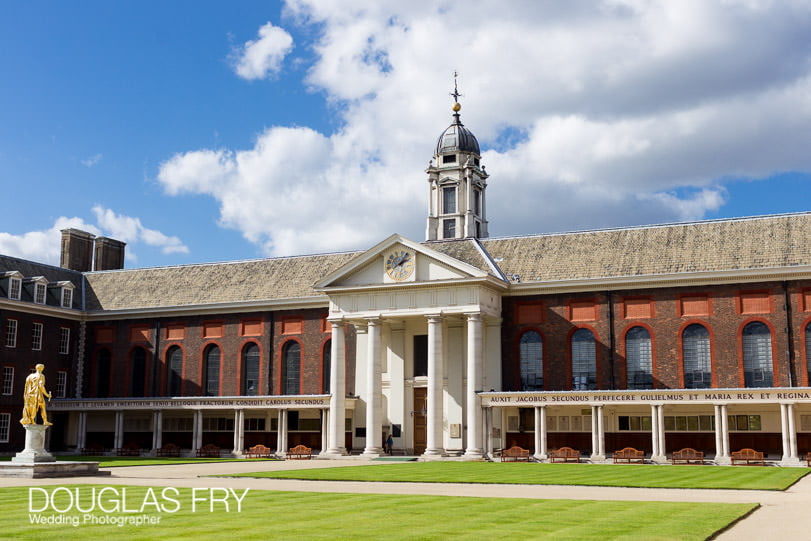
[808, 349]
[696, 352]
[103, 373]
[292, 363]
[212, 357]
[448, 200]
[448, 229]
[584, 361]
[327, 364]
[638, 358]
[531, 359]
[250, 366]
[138, 372]
[174, 362]
[757, 355]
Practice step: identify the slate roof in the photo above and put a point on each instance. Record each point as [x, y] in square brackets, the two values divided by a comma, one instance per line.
[240, 281]
[465, 251]
[718, 245]
[30, 269]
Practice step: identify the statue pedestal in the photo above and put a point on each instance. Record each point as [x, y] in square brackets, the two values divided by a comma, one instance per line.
[35, 462]
[34, 446]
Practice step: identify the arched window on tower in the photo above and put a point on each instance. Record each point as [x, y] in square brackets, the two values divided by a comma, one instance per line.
[757, 355]
[174, 370]
[531, 359]
[291, 366]
[211, 385]
[327, 365]
[138, 372]
[250, 370]
[639, 364]
[696, 354]
[584, 360]
[103, 362]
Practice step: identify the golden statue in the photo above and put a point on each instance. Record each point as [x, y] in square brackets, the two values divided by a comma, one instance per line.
[34, 394]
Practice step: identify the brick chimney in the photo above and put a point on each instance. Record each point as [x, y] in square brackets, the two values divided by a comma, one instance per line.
[109, 254]
[77, 250]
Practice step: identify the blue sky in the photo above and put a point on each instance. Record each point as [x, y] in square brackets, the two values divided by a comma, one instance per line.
[198, 132]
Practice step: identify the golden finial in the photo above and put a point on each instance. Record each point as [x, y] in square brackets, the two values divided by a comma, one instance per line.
[456, 95]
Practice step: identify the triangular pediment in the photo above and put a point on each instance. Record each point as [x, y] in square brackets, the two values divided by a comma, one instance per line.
[398, 260]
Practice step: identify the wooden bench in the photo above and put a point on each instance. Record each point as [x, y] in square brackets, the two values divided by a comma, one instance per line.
[128, 450]
[257, 451]
[300, 452]
[629, 454]
[687, 455]
[564, 454]
[748, 457]
[170, 449]
[515, 454]
[208, 450]
[92, 450]
[808, 459]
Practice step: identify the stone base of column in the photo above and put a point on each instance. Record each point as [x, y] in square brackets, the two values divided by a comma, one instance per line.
[722, 460]
[372, 452]
[659, 459]
[432, 454]
[597, 458]
[473, 454]
[333, 453]
[539, 456]
[792, 462]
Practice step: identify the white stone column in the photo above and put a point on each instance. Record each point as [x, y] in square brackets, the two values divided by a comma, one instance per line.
[157, 430]
[540, 433]
[597, 434]
[324, 430]
[119, 429]
[658, 454]
[662, 441]
[81, 437]
[281, 433]
[792, 433]
[784, 431]
[337, 383]
[435, 387]
[197, 431]
[374, 388]
[239, 432]
[474, 378]
[789, 433]
[721, 435]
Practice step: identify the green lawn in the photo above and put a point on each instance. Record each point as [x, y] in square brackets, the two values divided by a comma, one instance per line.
[113, 461]
[301, 515]
[740, 477]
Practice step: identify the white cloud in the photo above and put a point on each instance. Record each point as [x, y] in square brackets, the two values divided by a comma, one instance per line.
[262, 58]
[44, 246]
[92, 160]
[131, 231]
[599, 113]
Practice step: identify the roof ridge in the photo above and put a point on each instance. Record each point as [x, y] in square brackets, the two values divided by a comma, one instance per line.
[652, 226]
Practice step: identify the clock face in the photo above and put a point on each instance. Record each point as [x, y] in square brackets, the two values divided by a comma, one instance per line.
[399, 264]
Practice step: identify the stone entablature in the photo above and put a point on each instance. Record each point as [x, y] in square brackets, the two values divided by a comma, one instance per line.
[647, 397]
[195, 403]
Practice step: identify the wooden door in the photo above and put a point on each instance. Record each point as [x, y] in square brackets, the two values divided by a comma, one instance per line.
[420, 420]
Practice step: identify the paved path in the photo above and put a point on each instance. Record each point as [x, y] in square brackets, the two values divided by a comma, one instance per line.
[782, 515]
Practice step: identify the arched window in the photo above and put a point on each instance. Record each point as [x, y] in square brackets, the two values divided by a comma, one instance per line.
[531, 357]
[584, 360]
[211, 385]
[327, 364]
[757, 355]
[291, 364]
[696, 353]
[103, 373]
[138, 372]
[174, 373]
[638, 359]
[808, 350]
[250, 370]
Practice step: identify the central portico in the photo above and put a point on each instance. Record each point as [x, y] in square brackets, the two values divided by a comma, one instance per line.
[428, 340]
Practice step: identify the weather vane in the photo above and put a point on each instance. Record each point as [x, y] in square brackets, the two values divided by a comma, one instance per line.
[456, 95]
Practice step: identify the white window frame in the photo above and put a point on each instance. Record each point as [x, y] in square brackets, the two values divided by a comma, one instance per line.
[67, 297]
[36, 336]
[11, 333]
[15, 287]
[5, 427]
[8, 380]
[61, 384]
[64, 340]
[40, 293]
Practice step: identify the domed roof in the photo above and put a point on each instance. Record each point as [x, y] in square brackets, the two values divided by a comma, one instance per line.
[457, 138]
